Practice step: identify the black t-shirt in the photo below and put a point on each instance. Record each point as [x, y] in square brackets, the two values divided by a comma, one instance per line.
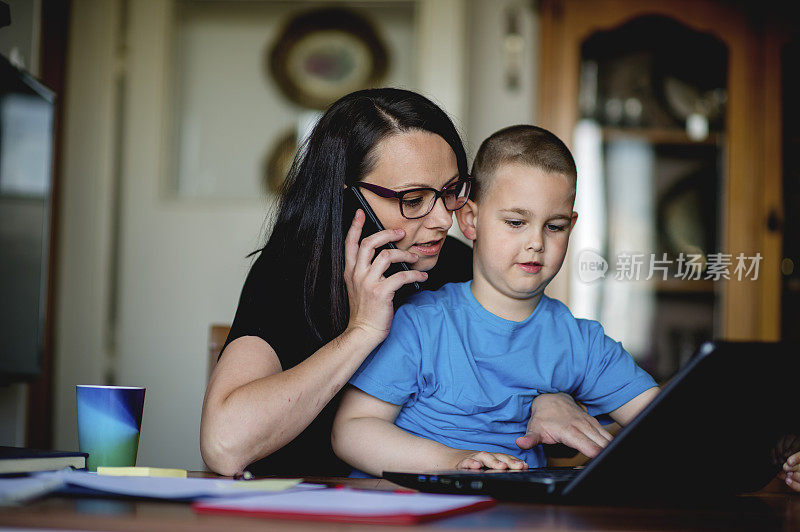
[270, 307]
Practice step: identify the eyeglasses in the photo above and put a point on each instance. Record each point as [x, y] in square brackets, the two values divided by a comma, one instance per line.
[418, 202]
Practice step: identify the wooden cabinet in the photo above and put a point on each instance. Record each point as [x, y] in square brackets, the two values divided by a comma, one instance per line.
[790, 224]
[673, 112]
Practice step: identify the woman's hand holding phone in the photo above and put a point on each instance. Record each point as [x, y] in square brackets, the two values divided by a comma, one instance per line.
[369, 292]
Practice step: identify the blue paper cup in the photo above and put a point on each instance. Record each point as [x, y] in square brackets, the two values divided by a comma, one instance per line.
[109, 422]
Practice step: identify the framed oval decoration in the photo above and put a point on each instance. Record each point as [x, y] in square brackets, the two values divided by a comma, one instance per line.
[323, 54]
[279, 161]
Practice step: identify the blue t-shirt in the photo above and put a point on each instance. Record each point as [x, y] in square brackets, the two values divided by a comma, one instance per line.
[466, 378]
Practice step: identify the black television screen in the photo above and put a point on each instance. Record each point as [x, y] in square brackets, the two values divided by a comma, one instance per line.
[26, 154]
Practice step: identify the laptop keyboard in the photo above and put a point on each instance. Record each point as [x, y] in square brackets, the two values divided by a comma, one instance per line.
[555, 474]
[500, 484]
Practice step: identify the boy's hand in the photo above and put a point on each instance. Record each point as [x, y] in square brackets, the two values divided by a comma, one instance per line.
[481, 459]
[556, 418]
[791, 472]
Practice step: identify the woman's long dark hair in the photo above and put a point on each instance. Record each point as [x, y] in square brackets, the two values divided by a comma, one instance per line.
[309, 228]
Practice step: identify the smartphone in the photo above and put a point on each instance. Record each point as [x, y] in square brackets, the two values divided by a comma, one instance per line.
[354, 200]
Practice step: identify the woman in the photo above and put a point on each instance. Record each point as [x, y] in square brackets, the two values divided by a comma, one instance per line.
[315, 303]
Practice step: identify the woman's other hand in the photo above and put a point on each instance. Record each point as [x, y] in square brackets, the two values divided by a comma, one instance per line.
[556, 418]
[369, 292]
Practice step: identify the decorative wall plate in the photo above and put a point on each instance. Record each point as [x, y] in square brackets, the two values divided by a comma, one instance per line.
[279, 161]
[324, 54]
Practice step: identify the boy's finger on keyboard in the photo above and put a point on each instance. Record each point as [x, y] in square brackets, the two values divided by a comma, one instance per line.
[469, 463]
[518, 464]
[511, 461]
[492, 461]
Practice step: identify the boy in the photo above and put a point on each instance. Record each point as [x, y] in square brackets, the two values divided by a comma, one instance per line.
[452, 385]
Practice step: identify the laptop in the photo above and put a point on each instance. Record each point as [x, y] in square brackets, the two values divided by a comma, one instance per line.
[723, 425]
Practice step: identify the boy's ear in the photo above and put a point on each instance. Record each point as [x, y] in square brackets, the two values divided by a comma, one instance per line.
[573, 219]
[467, 217]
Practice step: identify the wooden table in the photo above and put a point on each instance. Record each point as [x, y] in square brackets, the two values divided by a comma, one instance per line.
[775, 508]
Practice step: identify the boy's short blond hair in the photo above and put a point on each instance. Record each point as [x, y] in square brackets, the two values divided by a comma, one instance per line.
[522, 144]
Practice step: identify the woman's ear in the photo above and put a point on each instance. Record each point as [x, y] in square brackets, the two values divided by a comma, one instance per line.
[467, 217]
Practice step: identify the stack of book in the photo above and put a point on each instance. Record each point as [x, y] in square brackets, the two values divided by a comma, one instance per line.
[17, 460]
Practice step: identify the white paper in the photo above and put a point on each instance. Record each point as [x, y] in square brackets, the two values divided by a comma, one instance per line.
[17, 490]
[160, 487]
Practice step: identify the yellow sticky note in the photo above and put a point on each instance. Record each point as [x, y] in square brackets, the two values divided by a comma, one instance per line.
[267, 484]
[141, 472]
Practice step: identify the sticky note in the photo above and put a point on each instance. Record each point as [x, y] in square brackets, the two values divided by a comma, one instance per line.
[141, 472]
[267, 484]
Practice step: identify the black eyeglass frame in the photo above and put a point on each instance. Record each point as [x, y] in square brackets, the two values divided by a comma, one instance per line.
[389, 193]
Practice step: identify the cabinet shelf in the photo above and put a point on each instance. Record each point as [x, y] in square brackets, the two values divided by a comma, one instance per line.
[658, 136]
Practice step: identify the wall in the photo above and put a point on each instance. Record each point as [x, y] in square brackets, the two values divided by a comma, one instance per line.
[85, 218]
[13, 412]
[492, 103]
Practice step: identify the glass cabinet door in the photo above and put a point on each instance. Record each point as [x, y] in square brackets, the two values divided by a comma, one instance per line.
[647, 259]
